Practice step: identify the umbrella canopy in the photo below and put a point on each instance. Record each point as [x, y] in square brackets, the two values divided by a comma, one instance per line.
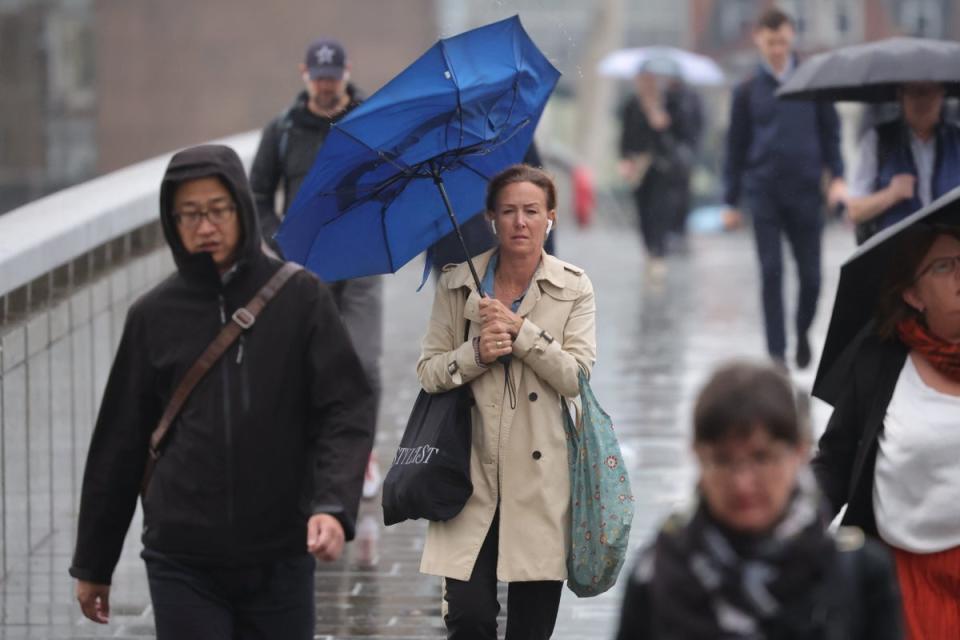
[693, 68]
[861, 278]
[390, 175]
[872, 72]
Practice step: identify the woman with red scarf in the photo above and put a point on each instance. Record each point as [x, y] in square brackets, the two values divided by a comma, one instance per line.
[891, 451]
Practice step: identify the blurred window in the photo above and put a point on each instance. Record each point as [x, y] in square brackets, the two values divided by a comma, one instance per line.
[922, 18]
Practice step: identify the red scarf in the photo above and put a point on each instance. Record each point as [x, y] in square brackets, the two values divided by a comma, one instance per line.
[943, 355]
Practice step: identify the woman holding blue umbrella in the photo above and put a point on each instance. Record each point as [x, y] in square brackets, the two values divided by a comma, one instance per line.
[537, 313]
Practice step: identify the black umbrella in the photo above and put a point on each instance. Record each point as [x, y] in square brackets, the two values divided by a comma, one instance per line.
[872, 72]
[861, 278]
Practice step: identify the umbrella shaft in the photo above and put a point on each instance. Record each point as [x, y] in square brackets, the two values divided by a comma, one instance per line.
[456, 227]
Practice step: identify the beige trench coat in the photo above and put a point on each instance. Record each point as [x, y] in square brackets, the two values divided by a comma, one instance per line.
[519, 456]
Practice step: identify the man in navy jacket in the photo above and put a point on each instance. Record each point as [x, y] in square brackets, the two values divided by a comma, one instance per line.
[777, 152]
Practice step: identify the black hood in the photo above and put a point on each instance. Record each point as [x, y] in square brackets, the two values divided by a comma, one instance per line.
[203, 162]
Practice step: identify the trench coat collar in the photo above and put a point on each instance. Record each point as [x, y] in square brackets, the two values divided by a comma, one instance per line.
[550, 269]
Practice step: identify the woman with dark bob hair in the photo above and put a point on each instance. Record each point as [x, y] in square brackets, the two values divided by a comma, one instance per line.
[752, 559]
[537, 313]
[891, 451]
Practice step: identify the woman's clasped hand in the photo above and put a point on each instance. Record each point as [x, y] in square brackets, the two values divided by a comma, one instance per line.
[498, 331]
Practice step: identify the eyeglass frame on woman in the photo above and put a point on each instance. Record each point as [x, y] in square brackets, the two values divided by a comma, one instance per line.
[954, 262]
[216, 213]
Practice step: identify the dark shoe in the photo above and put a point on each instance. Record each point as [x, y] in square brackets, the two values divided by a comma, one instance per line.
[803, 352]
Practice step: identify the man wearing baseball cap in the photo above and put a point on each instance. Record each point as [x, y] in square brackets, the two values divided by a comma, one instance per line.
[288, 147]
[290, 142]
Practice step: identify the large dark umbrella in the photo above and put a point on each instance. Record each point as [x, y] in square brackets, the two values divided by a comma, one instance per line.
[861, 278]
[413, 161]
[872, 72]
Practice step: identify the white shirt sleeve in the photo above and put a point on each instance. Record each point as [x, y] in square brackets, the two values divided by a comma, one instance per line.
[864, 172]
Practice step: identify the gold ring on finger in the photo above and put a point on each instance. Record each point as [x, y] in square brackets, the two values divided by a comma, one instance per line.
[499, 343]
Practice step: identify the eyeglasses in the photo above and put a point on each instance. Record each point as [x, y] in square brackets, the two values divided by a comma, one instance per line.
[758, 463]
[217, 214]
[941, 267]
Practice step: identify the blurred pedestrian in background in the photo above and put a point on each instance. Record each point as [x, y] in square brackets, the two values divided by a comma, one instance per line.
[891, 447]
[660, 129]
[288, 146]
[539, 313]
[905, 164]
[263, 464]
[752, 558]
[777, 153]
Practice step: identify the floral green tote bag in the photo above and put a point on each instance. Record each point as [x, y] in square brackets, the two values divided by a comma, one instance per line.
[601, 501]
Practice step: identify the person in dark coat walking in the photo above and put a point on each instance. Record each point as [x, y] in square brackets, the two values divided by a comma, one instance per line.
[288, 146]
[657, 146]
[264, 464]
[752, 559]
[777, 153]
[891, 447]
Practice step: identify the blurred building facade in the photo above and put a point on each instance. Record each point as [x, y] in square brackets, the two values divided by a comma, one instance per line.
[93, 85]
[48, 97]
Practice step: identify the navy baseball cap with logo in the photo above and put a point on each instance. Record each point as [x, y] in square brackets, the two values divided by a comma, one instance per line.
[325, 58]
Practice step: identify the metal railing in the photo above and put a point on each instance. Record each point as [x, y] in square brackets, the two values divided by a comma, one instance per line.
[70, 266]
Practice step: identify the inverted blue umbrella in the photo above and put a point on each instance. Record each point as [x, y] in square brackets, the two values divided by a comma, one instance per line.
[392, 175]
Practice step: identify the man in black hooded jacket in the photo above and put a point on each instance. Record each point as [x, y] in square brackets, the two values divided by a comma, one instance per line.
[264, 464]
[288, 146]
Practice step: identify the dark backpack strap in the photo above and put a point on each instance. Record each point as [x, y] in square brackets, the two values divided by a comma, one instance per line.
[242, 319]
[284, 125]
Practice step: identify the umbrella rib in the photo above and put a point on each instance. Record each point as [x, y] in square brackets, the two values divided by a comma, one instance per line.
[380, 188]
[516, 87]
[456, 88]
[476, 171]
[386, 241]
[381, 154]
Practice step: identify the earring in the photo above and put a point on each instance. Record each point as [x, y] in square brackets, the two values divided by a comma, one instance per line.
[549, 226]
[493, 226]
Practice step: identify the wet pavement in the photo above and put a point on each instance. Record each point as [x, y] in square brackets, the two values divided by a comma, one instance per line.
[657, 342]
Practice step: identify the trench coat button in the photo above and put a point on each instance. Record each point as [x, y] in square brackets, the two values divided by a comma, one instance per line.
[533, 396]
[537, 455]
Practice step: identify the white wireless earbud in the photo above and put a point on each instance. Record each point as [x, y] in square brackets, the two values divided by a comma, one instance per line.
[549, 226]
[493, 226]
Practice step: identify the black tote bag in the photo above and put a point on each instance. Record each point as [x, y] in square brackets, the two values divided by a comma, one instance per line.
[430, 475]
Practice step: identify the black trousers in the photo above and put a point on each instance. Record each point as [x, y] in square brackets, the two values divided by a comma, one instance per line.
[661, 200]
[260, 602]
[800, 220]
[472, 606]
